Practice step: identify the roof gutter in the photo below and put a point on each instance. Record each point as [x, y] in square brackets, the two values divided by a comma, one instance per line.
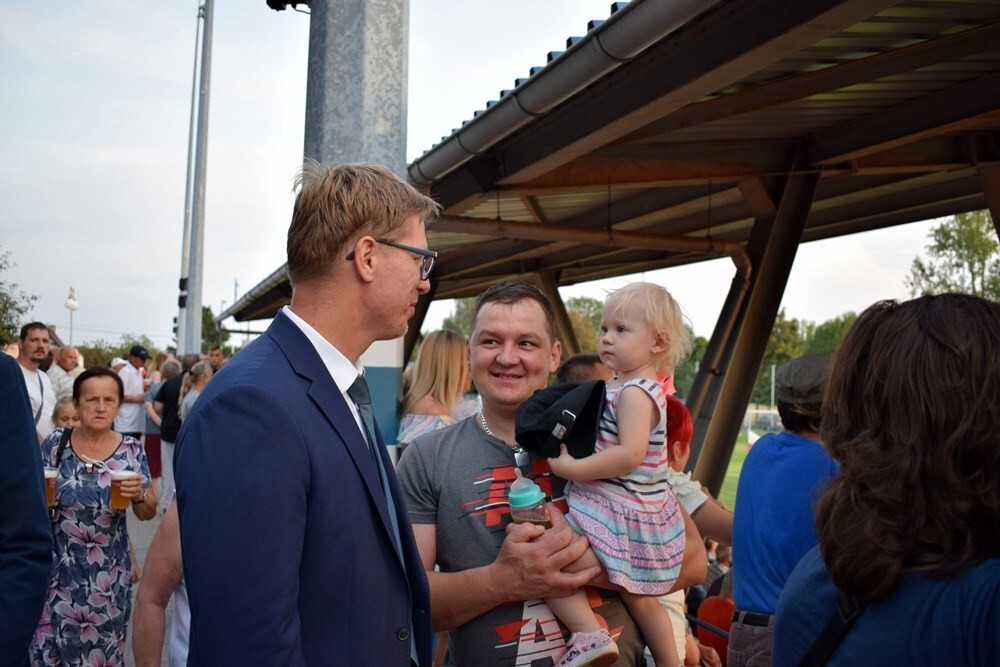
[624, 35]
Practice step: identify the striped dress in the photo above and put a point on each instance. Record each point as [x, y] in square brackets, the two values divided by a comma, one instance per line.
[632, 522]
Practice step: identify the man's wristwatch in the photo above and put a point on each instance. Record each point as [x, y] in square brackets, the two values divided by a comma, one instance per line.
[141, 499]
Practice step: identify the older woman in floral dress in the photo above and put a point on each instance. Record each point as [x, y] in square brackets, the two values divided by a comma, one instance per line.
[89, 600]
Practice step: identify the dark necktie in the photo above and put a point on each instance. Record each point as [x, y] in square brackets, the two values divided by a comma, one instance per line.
[362, 397]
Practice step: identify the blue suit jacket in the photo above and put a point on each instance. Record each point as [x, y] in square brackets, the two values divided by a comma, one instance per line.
[288, 551]
[25, 532]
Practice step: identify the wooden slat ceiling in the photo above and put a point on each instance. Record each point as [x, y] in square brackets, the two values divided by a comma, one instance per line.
[894, 104]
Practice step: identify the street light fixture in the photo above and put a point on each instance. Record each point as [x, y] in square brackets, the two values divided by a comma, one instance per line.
[71, 305]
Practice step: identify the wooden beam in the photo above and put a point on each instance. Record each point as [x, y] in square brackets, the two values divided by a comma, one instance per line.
[718, 422]
[727, 44]
[531, 204]
[658, 165]
[596, 237]
[953, 109]
[923, 54]
[758, 198]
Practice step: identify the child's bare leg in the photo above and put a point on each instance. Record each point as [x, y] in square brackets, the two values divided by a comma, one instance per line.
[590, 644]
[656, 628]
[575, 612]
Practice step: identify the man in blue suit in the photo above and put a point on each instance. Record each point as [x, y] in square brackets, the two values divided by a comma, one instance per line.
[25, 533]
[296, 545]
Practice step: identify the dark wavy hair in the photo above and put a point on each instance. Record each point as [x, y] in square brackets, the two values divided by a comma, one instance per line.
[912, 415]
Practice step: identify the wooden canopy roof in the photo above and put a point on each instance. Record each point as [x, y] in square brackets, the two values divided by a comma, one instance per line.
[659, 137]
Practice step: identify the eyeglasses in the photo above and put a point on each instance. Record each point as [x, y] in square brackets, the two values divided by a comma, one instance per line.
[426, 261]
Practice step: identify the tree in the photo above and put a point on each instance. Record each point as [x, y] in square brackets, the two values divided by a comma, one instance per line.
[211, 333]
[100, 352]
[460, 320]
[14, 304]
[591, 310]
[826, 337]
[964, 256]
[787, 341]
[585, 317]
[584, 314]
[685, 372]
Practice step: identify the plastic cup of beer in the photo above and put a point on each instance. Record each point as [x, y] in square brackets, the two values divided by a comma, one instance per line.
[118, 501]
[51, 478]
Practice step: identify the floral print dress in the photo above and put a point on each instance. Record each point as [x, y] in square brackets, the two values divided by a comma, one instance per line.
[89, 601]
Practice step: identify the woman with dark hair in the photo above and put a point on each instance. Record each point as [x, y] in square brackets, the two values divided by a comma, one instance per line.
[89, 599]
[909, 531]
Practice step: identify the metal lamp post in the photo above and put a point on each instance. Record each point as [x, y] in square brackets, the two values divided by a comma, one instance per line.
[71, 305]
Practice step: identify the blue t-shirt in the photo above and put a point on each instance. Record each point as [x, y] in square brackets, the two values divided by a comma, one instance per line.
[781, 479]
[923, 621]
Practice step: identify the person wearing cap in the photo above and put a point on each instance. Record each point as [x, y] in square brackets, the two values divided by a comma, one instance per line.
[131, 419]
[773, 525]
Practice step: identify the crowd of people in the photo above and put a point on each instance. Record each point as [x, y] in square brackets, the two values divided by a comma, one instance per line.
[865, 532]
[95, 435]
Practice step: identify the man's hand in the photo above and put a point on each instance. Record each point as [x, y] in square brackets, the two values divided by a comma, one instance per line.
[531, 559]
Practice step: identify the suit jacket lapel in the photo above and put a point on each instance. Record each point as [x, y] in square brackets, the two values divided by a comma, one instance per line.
[327, 397]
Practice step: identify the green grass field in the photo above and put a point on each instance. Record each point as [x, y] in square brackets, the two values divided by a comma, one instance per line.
[727, 496]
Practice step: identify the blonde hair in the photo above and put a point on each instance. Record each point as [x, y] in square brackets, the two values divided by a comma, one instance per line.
[662, 314]
[62, 402]
[338, 202]
[157, 365]
[192, 376]
[441, 371]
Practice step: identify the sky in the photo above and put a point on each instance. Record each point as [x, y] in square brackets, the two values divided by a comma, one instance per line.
[94, 109]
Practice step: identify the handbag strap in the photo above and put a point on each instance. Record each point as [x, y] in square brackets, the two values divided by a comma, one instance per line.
[848, 610]
[41, 397]
[63, 441]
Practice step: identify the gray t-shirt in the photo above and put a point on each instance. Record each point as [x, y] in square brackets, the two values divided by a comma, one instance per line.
[457, 478]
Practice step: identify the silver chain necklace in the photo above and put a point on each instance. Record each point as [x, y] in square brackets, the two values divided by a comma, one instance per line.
[521, 457]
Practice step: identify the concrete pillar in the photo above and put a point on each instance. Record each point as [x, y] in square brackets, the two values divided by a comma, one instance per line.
[356, 112]
[356, 94]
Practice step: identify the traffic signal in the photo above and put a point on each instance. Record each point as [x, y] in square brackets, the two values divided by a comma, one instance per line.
[279, 5]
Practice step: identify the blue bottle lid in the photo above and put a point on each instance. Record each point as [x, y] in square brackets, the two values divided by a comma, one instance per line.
[523, 492]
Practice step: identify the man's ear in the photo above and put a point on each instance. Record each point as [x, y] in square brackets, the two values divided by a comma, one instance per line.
[365, 258]
[556, 356]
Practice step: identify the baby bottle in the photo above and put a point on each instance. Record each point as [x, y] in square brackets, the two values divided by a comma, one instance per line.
[527, 502]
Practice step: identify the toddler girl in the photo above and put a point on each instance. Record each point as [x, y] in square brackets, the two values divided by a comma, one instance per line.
[619, 496]
[64, 414]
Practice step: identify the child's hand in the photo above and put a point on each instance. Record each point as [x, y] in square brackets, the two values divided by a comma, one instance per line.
[564, 464]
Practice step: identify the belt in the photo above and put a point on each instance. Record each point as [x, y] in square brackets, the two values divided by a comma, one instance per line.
[753, 618]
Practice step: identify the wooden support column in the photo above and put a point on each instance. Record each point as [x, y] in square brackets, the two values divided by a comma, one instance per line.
[550, 285]
[704, 392]
[776, 245]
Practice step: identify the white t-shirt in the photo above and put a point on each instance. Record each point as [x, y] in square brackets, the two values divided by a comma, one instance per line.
[131, 417]
[41, 394]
